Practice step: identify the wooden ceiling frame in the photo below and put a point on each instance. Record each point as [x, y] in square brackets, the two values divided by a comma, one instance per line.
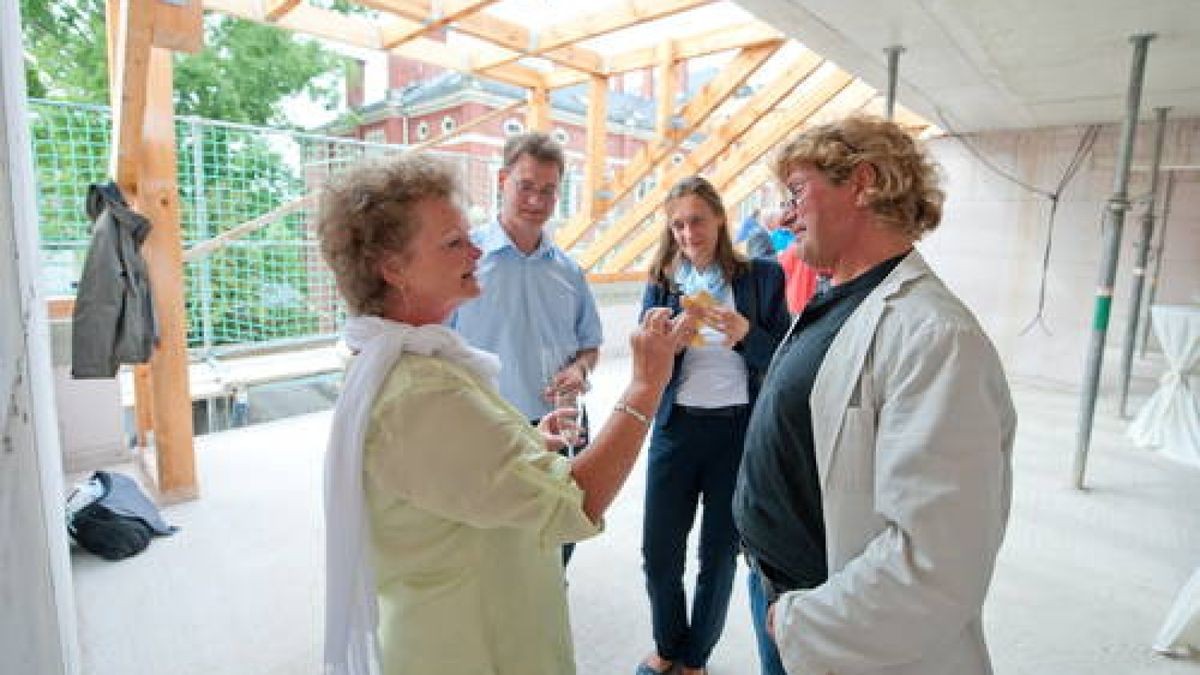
[686, 121]
[705, 153]
[362, 32]
[631, 13]
[751, 147]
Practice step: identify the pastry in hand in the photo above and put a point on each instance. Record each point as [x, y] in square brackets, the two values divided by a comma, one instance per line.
[699, 303]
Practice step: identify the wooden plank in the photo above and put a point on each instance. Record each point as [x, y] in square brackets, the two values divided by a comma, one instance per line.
[538, 116]
[708, 151]
[210, 246]
[464, 128]
[158, 200]
[131, 37]
[707, 99]
[765, 135]
[688, 47]
[667, 85]
[276, 9]
[447, 13]
[360, 32]
[592, 204]
[613, 17]
[179, 25]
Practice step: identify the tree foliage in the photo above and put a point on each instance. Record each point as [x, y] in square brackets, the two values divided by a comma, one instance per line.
[244, 73]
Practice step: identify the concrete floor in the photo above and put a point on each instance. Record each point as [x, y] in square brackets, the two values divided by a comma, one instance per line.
[1082, 585]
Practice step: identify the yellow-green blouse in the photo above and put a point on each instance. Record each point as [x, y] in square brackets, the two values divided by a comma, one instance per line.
[467, 513]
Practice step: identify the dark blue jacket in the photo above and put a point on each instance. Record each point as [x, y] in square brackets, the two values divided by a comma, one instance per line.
[758, 295]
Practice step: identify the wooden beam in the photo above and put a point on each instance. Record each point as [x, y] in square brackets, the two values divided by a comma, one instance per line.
[464, 128]
[130, 39]
[158, 200]
[593, 203]
[447, 13]
[538, 116]
[179, 25]
[744, 185]
[667, 85]
[765, 135]
[613, 17]
[359, 32]
[705, 153]
[276, 9]
[688, 47]
[692, 115]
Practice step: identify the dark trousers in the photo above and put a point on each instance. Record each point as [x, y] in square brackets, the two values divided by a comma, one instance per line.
[695, 455]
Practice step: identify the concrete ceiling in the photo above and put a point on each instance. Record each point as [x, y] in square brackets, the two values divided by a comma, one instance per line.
[994, 64]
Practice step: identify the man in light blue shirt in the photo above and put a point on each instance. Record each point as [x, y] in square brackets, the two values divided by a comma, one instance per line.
[536, 310]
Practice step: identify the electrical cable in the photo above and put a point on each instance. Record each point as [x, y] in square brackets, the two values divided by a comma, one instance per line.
[1086, 143]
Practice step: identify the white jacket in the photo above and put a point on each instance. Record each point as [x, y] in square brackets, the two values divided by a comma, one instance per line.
[913, 427]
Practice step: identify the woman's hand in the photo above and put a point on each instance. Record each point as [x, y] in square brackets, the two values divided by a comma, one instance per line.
[560, 428]
[685, 325]
[653, 346]
[727, 320]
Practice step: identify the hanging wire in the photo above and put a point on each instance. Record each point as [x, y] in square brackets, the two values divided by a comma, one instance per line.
[1086, 143]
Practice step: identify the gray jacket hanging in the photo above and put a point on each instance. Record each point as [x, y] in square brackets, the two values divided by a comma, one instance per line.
[113, 321]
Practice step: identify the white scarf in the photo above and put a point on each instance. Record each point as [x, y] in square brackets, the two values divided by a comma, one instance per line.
[351, 607]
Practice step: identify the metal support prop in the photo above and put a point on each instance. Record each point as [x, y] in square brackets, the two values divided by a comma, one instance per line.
[1114, 222]
[893, 54]
[1158, 258]
[1143, 252]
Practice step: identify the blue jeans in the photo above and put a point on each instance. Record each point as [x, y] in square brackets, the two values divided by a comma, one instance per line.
[768, 653]
[692, 456]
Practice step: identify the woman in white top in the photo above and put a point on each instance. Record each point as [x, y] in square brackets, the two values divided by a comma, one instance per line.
[696, 445]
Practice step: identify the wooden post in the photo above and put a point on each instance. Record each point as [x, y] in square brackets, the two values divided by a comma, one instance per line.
[597, 137]
[143, 163]
[538, 117]
[667, 76]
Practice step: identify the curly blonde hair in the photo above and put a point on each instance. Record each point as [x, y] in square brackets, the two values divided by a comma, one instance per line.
[905, 195]
[366, 212]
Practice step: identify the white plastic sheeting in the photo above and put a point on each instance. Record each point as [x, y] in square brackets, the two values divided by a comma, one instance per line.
[1180, 633]
[1170, 420]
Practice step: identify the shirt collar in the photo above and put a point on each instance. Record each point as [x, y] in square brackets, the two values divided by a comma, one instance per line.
[493, 238]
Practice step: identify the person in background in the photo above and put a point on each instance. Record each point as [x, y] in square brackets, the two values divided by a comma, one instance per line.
[536, 311]
[875, 486]
[444, 507]
[750, 224]
[696, 445]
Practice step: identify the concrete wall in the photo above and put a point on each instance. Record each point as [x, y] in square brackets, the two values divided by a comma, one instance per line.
[990, 245]
[37, 619]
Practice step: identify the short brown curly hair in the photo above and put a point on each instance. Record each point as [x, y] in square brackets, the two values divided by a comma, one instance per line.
[366, 211]
[905, 195]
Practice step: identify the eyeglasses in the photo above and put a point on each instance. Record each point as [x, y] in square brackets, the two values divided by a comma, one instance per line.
[797, 196]
[527, 190]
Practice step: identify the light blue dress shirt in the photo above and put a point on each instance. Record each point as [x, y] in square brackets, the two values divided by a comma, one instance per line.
[536, 312]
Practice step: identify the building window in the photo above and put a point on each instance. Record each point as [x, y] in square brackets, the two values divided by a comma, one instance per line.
[677, 159]
[448, 124]
[560, 136]
[422, 130]
[376, 135]
[513, 126]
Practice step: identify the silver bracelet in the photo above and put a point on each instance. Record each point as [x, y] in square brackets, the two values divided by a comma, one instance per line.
[636, 414]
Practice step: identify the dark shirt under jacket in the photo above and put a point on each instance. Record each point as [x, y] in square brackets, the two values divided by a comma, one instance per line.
[777, 504]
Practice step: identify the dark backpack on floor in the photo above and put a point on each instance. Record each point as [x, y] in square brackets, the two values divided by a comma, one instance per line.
[120, 523]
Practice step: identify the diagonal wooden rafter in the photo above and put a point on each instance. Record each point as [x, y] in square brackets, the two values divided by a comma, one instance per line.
[447, 13]
[608, 20]
[837, 90]
[711, 149]
[362, 32]
[688, 47]
[690, 117]
[276, 9]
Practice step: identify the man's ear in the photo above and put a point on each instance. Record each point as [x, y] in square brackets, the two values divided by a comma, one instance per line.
[501, 178]
[862, 178]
